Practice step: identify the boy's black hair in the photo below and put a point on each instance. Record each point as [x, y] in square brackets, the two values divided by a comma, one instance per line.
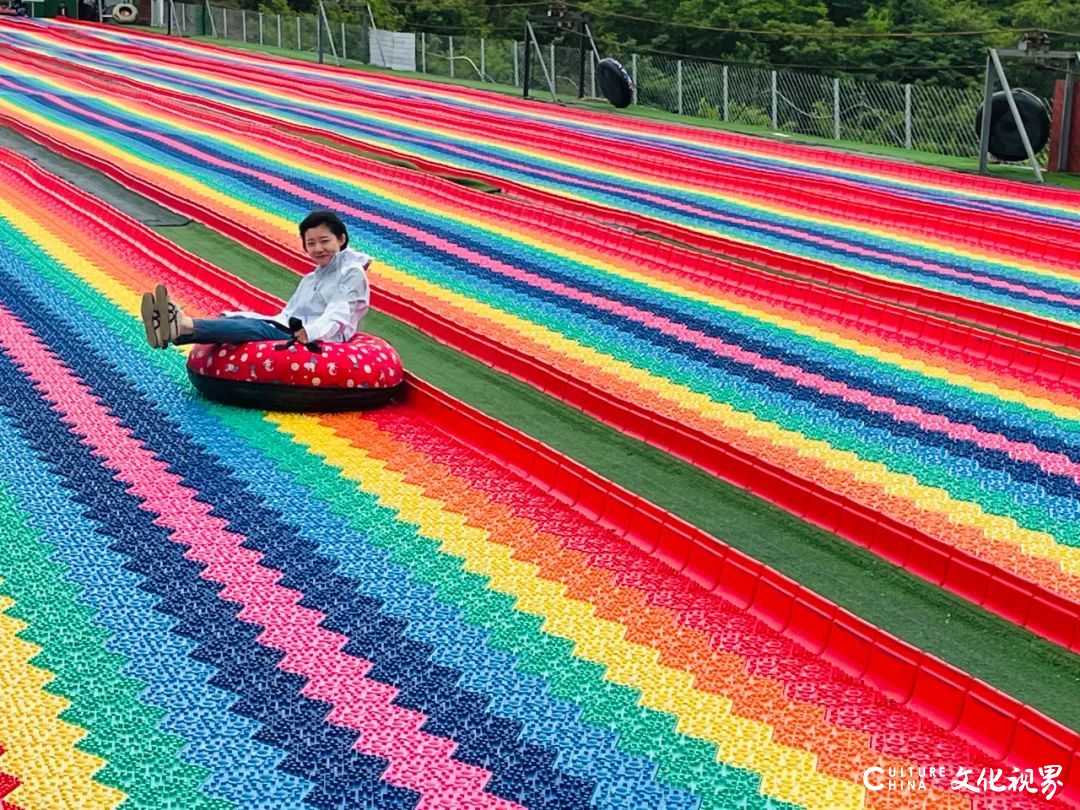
[330, 220]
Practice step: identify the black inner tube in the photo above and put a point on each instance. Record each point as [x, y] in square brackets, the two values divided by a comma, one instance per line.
[1005, 141]
[615, 83]
[277, 397]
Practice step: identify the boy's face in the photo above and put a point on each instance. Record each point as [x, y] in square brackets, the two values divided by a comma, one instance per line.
[321, 244]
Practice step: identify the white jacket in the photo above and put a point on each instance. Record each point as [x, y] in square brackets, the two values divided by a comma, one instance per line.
[330, 301]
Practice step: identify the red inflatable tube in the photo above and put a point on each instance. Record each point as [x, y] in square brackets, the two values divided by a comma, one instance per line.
[281, 375]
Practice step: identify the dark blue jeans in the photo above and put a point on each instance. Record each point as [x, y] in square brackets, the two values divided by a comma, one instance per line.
[232, 330]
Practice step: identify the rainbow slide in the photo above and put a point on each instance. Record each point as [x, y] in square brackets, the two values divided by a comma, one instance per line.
[943, 450]
[205, 607]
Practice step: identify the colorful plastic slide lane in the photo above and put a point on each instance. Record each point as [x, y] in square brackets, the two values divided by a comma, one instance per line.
[963, 470]
[205, 607]
[983, 266]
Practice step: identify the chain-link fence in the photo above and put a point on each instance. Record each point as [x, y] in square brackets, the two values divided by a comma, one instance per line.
[346, 41]
[920, 117]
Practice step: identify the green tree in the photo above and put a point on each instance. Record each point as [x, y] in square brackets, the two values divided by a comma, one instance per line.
[444, 16]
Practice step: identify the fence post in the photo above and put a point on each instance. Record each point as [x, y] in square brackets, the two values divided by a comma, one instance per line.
[554, 75]
[278, 29]
[633, 76]
[517, 78]
[224, 23]
[423, 52]
[299, 43]
[724, 72]
[592, 75]
[243, 25]
[451, 57]
[483, 61]
[773, 117]
[318, 38]
[343, 56]
[678, 84]
[260, 28]
[836, 108]
[907, 117]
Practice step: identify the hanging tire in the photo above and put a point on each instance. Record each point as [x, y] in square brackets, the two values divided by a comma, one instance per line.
[124, 13]
[615, 83]
[1005, 141]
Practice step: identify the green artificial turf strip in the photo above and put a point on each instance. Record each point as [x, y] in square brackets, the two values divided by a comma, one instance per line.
[134, 205]
[1032, 670]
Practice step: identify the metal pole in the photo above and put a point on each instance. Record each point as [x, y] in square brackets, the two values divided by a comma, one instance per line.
[988, 98]
[243, 25]
[324, 24]
[1066, 118]
[318, 38]
[592, 75]
[548, 76]
[423, 52]
[678, 85]
[908, 140]
[451, 57]
[836, 108]
[528, 59]
[278, 29]
[554, 75]
[581, 60]
[725, 70]
[592, 44]
[260, 28]
[517, 78]
[773, 117]
[299, 42]
[378, 39]
[224, 23]
[1016, 116]
[210, 14]
[168, 18]
[633, 76]
[483, 60]
[343, 56]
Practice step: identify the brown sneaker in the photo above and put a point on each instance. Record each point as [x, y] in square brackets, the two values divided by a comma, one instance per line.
[169, 314]
[151, 321]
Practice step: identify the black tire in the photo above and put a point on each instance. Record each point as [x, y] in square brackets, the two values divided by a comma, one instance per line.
[1005, 141]
[615, 83]
[274, 397]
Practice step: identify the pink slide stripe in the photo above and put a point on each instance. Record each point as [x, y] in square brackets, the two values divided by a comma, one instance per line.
[418, 761]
